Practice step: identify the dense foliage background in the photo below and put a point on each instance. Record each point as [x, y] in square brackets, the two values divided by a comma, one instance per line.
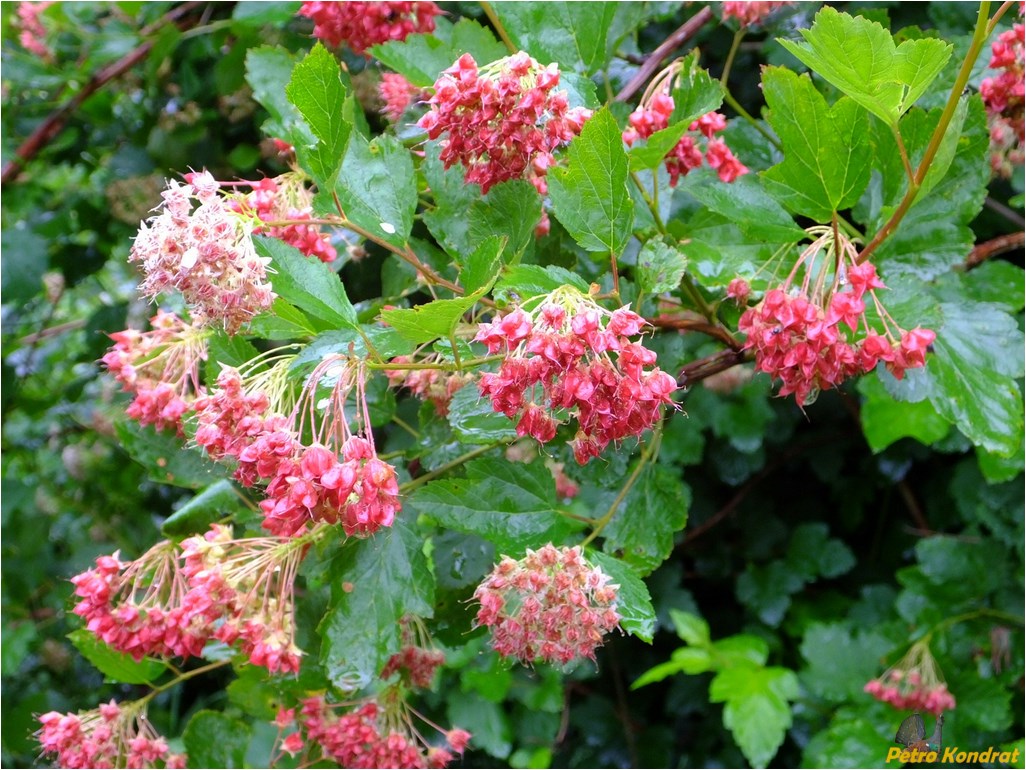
[825, 540]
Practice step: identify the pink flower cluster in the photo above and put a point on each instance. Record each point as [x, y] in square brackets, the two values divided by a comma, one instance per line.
[369, 734]
[909, 695]
[572, 358]
[33, 34]
[206, 253]
[285, 198]
[503, 121]
[654, 115]
[434, 385]
[306, 483]
[750, 13]
[1003, 95]
[161, 367]
[174, 599]
[361, 25]
[551, 605]
[416, 665]
[109, 736]
[397, 93]
[799, 335]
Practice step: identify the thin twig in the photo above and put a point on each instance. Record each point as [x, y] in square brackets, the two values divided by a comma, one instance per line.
[999, 245]
[48, 130]
[710, 365]
[685, 31]
[1010, 214]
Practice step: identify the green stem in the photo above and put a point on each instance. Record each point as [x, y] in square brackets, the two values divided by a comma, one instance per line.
[647, 455]
[735, 44]
[473, 362]
[736, 106]
[181, 678]
[649, 202]
[466, 457]
[979, 38]
[984, 612]
[493, 17]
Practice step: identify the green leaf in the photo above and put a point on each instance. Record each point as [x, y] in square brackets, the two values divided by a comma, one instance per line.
[268, 72]
[205, 507]
[660, 267]
[24, 265]
[116, 666]
[840, 661]
[813, 553]
[487, 723]
[213, 739]
[526, 281]
[165, 458]
[978, 355]
[886, 420]
[848, 742]
[691, 628]
[740, 650]
[826, 149]
[637, 615]
[376, 582]
[421, 58]
[590, 196]
[756, 708]
[649, 153]
[432, 320]
[309, 284]
[377, 189]
[281, 322]
[581, 37]
[744, 202]
[767, 590]
[509, 504]
[481, 268]
[859, 57]
[474, 421]
[387, 343]
[463, 220]
[224, 350]
[641, 532]
[695, 93]
[317, 91]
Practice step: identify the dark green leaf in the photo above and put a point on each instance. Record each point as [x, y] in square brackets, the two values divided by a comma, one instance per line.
[745, 203]
[526, 281]
[826, 149]
[307, 283]
[317, 91]
[422, 58]
[590, 196]
[641, 532]
[486, 721]
[886, 420]
[848, 742]
[637, 615]
[376, 188]
[474, 421]
[213, 739]
[580, 37]
[116, 666]
[812, 553]
[840, 662]
[767, 590]
[165, 458]
[377, 582]
[25, 261]
[510, 504]
[213, 503]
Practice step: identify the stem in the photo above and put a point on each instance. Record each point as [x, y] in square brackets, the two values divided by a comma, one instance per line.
[493, 17]
[916, 181]
[999, 245]
[904, 154]
[647, 455]
[984, 612]
[649, 202]
[409, 486]
[48, 130]
[182, 678]
[735, 44]
[667, 47]
[746, 115]
[616, 273]
[473, 362]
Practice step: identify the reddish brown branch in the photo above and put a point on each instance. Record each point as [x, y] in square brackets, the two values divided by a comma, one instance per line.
[47, 131]
[696, 324]
[686, 30]
[710, 365]
[999, 245]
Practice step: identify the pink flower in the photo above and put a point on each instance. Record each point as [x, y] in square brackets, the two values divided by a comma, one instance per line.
[361, 25]
[572, 357]
[750, 13]
[1003, 95]
[397, 93]
[913, 684]
[503, 121]
[551, 605]
[286, 198]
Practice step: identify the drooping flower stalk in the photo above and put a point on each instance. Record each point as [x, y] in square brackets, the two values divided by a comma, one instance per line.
[914, 683]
